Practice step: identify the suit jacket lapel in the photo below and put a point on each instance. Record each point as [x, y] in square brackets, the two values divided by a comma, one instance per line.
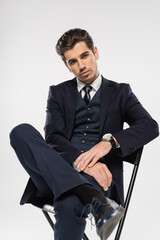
[105, 97]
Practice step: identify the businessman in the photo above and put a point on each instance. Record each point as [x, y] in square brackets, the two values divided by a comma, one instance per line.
[79, 166]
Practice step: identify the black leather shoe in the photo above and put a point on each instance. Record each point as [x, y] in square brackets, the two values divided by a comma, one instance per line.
[107, 216]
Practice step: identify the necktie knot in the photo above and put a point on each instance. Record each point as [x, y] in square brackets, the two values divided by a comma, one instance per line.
[87, 96]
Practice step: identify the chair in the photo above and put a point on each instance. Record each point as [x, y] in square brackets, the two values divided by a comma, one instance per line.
[134, 159]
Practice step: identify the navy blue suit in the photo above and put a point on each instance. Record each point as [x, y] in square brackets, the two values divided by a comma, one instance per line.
[118, 104]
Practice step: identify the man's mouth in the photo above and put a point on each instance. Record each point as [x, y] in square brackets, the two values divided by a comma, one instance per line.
[85, 73]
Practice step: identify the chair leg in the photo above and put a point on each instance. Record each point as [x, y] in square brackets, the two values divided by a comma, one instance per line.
[85, 237]
[127, 201]
[49, 219]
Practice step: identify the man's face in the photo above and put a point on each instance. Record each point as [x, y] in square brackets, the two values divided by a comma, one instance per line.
[82, 62]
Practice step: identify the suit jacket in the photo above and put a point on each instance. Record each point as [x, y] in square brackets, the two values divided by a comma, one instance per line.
[118, 104]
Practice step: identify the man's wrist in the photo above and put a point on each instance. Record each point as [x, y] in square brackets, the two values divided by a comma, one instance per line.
[107, 143]
[109, 138]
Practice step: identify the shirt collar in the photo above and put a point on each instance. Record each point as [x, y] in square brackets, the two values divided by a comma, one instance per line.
[95, 84]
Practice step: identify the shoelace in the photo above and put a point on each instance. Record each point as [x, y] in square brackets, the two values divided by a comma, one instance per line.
[91, 214]
[92, 211]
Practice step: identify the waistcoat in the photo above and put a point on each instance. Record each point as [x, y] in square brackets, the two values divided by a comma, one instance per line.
[86, 127]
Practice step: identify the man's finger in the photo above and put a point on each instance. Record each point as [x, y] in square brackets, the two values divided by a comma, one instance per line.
[95, 159]
[79, 158]
[109, 175]
[84, 164]
[85, 160]
[104, 179]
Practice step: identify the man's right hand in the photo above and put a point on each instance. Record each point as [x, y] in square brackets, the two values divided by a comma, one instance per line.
[101, 174]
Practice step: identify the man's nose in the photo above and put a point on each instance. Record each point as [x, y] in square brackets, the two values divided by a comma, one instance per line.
[81, 65]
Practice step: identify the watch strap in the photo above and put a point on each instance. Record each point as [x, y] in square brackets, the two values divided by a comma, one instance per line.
[113, 143]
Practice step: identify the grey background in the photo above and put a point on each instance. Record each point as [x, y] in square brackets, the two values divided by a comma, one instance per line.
[127, 34]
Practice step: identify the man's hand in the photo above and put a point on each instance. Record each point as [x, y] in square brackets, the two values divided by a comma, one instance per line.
[90, 157]
[101, 174]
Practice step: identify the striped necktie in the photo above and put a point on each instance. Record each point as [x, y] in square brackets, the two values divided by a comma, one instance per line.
[87, 96]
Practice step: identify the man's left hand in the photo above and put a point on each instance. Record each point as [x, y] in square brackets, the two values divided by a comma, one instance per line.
[90, 157]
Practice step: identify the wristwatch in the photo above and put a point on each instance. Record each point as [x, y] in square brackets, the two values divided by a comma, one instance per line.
[109, 138]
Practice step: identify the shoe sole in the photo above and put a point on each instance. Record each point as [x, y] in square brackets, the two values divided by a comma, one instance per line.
[110, 225]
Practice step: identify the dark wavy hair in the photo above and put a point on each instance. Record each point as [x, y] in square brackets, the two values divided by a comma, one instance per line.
[70, 38]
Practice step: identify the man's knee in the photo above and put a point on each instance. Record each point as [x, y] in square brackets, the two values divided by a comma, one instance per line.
[19, 132]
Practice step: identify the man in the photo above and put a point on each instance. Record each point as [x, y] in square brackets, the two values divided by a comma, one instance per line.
[82, 159]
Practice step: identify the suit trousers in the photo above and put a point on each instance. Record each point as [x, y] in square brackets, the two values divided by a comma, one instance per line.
[52, 175]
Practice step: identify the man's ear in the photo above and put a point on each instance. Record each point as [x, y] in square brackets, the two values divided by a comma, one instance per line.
[67, 66]
[96, 53]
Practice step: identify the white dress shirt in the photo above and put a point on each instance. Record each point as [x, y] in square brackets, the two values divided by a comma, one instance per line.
[95, 86]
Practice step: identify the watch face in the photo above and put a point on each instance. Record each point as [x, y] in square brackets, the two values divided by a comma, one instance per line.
[107, 136]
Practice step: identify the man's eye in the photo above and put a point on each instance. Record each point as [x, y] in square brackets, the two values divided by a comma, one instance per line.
[85, 55]
[72, 62]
